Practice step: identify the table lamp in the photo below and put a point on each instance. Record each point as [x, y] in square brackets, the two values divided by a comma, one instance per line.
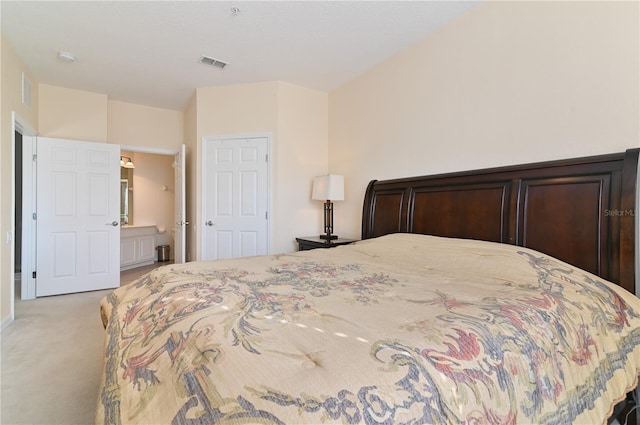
[328, 188]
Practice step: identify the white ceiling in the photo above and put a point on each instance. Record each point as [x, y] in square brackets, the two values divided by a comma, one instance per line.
[147, 52]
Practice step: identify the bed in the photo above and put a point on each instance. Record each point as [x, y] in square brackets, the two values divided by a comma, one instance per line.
[494, 296]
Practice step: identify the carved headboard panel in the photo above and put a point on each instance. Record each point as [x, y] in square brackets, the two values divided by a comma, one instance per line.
[582, 211]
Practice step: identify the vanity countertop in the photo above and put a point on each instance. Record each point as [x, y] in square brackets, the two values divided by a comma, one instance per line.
[136, 226]
[138, 230]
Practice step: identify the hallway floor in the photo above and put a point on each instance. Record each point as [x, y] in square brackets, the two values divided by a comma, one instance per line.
[126, 276]
[129, 276]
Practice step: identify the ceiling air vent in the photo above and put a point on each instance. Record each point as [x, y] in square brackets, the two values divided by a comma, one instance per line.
[206, 60]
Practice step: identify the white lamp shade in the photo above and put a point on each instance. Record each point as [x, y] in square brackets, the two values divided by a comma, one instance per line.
[328, 187]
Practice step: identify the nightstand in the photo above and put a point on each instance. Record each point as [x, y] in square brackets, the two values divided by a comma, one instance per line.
[313, 242]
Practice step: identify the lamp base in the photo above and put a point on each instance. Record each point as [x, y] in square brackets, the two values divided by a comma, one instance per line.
[328, 237]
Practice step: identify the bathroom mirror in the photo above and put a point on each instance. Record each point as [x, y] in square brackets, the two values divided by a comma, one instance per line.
[126, 196]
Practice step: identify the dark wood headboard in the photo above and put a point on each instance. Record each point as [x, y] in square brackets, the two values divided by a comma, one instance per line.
[582, 210]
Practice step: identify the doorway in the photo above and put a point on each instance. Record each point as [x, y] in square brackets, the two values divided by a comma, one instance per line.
[155, 196]
[147, 196]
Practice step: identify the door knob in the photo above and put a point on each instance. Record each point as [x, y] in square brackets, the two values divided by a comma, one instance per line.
[209, 223]
[113, 223]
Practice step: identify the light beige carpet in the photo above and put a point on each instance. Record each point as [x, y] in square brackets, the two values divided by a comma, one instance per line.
[51, 359]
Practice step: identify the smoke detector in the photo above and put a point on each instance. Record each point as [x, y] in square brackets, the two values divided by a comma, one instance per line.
[206, 60]
[66, 57]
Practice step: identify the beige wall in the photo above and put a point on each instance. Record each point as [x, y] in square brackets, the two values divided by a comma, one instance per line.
[154, 194]
[302, 153]
[72, 114]
[80, 115]
[11, 69]
[506, 83]
[129, 124]
[296, 118]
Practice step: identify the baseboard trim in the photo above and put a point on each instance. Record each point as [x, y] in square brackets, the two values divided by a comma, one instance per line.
[5, 323]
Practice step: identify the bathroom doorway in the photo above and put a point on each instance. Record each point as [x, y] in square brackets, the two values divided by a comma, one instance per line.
[149, 196]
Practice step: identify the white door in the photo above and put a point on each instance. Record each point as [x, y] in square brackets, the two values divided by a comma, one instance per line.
[235, 198]
[78, 216]
[180, 207]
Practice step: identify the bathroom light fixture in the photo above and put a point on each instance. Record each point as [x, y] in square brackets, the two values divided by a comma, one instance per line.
[329, 187]
[127, 164]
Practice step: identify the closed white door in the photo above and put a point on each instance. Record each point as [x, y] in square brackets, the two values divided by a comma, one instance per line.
[78, 216]
[180, 207]
[235, 198]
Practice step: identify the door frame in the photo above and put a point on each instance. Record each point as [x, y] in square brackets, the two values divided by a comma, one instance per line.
[28, 263]
[201, 247]
[180, 193]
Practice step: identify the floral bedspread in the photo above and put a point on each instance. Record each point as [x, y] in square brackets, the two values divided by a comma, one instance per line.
[400, 329]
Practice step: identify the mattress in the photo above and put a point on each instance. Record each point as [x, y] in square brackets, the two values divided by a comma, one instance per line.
[403, 328]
